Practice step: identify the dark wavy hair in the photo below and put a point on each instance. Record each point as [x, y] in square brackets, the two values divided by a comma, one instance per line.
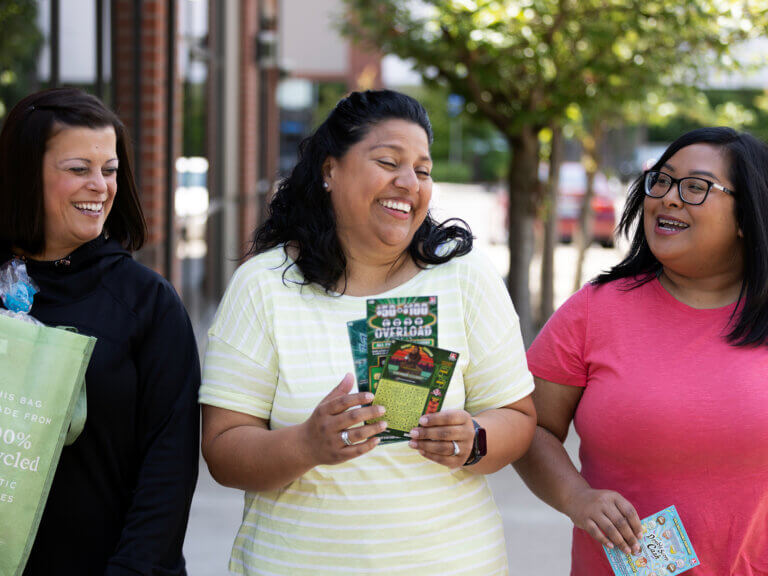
[748, 158]
[23, 142]
[301, 212]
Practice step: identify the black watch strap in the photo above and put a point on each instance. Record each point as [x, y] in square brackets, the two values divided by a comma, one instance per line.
[479, 446]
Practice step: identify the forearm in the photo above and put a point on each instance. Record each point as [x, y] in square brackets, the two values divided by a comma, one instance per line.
[508, 434]
[257, 459]
[548, 471]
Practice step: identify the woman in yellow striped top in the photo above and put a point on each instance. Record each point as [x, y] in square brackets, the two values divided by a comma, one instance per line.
[282, 421]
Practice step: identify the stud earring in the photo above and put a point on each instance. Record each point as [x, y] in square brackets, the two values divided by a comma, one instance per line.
[325, 185]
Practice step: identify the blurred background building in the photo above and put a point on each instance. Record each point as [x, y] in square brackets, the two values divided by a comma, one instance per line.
[218, 94]
[216, 97]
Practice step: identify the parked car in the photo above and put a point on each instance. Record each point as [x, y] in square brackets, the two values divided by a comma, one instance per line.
[571, 190]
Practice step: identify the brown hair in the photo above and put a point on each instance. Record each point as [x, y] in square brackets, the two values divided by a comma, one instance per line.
[23, 141]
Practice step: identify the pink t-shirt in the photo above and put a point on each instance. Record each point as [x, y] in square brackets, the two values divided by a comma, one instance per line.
[670, 414]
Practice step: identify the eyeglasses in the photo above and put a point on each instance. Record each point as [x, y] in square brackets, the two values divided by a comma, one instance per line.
[692, 190]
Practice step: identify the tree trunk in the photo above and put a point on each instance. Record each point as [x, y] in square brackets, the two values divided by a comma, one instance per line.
[584, 231]
[524, 189]
[591, 163]
[547, 304]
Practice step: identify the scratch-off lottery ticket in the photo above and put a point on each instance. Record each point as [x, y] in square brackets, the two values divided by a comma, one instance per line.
[413, 319]
[665, 549]
[358, 342]
[414, 382]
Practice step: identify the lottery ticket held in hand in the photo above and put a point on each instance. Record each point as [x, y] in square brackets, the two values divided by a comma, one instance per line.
[414, 382]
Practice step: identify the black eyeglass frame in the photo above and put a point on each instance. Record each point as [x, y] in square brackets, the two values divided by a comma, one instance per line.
[677, 181]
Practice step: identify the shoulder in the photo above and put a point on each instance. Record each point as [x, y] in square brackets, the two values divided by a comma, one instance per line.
[473, 267]
[624, 292]
[264, 277]
[254, 289]
[603, 304]
[275, 260]
[140, 289]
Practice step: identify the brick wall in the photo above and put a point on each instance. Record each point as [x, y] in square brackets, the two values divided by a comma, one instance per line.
[249, 116]
[149, 132]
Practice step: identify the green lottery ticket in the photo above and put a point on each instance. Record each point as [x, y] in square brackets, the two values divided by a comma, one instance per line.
[358, 342]
[413, 382]
[413, 319]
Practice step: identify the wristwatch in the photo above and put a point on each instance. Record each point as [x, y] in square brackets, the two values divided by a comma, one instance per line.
[479, 446]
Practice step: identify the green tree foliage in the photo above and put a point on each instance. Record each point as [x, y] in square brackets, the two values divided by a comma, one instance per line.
[484, 157]
[195, 119]
[20, 42]
[741, 109]
[328, 94]
[522, 63]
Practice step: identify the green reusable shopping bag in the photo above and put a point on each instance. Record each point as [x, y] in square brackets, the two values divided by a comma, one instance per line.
[41, 374]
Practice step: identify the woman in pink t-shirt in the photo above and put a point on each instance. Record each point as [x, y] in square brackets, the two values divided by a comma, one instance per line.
[662, 365]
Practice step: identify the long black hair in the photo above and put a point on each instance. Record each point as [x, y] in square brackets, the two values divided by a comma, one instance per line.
[301, 213]
[23, 142]
[748, 158]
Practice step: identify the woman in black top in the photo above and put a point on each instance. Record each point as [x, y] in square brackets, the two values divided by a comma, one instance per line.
[120, 498]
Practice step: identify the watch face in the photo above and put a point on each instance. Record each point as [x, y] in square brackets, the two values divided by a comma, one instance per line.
[480, 442]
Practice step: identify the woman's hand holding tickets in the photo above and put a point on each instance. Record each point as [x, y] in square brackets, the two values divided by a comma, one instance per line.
[332, 434]
[608, 517]
[444, 437]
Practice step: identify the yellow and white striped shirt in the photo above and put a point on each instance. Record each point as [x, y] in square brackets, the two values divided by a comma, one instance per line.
[276, 349]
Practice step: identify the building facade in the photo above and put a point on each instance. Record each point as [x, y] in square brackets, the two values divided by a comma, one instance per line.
[188, 78]
[210, 92]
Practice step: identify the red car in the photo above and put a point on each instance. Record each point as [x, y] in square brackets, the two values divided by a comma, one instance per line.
[573, 184]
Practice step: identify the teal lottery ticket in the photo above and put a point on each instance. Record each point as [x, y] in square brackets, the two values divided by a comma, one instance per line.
[665, 549]
[358, 342]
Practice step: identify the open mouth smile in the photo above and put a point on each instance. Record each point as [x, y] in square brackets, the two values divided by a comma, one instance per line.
[670, 225]
[401, 207]
[89, 208]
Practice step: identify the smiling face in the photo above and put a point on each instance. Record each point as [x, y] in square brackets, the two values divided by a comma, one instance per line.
[695, 241]
[381, 188]
[79, 187]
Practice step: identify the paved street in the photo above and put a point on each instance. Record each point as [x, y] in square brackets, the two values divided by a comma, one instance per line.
[538, 538]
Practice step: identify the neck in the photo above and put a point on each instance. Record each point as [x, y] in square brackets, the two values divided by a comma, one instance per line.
[371, 273]
[47, 255]
[713, 291]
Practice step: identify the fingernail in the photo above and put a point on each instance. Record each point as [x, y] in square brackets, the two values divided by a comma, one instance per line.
[380, 409]
[382, 425]
[636, 549]
[415, 433]
[412, 444]
[609, 545]
[423, 420]
[368, 397]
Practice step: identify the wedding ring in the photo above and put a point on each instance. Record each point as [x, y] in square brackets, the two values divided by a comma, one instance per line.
[455, 448]
[345, 438]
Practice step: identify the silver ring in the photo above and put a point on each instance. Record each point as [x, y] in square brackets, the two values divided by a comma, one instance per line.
[455, 448]
[345, 438]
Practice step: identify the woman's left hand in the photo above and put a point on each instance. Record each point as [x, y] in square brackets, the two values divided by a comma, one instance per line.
[439, 435]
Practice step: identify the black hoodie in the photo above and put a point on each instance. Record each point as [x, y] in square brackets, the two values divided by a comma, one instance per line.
[120, 499]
